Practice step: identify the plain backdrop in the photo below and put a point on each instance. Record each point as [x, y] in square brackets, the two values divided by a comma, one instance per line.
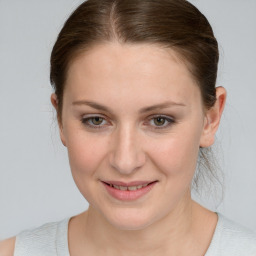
[36, 185]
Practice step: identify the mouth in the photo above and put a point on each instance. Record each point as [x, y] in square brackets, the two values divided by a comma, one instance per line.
[128, 191]
[124, 187]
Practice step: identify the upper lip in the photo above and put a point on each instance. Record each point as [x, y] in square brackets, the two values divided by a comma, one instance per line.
[128, 184]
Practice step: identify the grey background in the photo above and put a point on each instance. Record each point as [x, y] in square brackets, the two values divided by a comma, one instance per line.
[36, 185]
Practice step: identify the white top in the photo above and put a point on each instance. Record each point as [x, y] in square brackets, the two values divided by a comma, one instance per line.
[51, 239]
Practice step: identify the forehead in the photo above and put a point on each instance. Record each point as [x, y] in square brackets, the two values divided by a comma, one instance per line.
[131, 71]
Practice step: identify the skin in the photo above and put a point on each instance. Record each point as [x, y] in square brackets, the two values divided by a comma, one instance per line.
[129, 146]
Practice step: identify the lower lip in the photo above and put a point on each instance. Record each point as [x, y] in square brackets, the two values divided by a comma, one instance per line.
[127, 195]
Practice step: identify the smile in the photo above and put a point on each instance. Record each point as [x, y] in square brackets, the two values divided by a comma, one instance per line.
[131, 188]
[128, 191]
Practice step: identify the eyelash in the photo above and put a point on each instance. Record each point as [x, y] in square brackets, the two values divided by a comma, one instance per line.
[170, 121]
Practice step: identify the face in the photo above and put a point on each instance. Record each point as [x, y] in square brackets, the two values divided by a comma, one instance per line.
[132, 117]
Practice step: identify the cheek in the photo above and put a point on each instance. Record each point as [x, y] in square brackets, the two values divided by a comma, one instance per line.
[175, 159]
[85, 152]
[176, 155]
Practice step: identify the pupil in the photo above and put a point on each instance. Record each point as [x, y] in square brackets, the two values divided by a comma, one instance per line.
[97, 120]
[159, 121]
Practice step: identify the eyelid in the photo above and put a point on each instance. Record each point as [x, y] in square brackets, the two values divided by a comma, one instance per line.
[85, 119]
[160, 115]
[169, 119]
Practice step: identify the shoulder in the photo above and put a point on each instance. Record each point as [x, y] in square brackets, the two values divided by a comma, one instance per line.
[7, 247]
[237, 232]
[43, 240]
[231, 238]
[37, 241]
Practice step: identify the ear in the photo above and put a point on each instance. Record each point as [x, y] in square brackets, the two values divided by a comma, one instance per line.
[212, 118]
[54, 101]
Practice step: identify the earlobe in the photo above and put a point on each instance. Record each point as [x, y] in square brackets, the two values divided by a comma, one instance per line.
[212, 118]
[62, 137]
[54, 101]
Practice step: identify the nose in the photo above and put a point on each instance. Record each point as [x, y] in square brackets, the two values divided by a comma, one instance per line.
[126, 154]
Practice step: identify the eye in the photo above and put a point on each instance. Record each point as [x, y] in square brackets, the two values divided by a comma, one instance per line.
[98, 122]
[94, 122]
[161, 122]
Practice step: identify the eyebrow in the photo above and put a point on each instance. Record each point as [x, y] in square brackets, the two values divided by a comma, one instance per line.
[141, 111]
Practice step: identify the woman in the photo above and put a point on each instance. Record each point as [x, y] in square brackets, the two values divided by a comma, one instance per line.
[136, 103]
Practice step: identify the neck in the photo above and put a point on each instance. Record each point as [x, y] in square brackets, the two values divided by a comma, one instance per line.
[168, 236]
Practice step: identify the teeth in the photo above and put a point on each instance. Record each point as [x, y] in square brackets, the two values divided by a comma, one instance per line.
[131, 188]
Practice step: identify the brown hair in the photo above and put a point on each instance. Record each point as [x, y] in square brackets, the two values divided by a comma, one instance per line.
[175, 24]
